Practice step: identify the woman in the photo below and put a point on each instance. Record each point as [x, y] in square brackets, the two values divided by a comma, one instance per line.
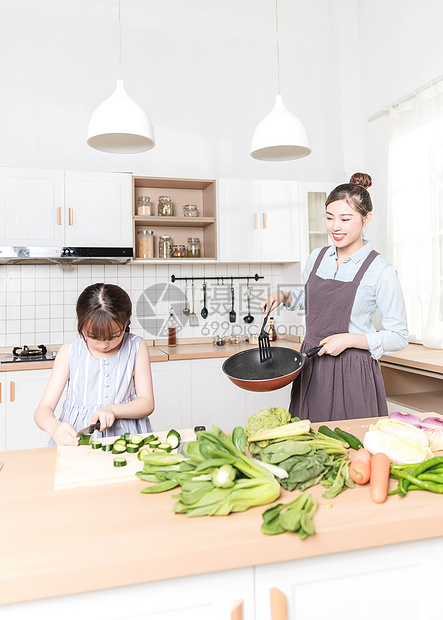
[343, 285]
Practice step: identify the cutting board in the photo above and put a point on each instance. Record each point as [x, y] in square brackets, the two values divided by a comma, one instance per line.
[80, 466]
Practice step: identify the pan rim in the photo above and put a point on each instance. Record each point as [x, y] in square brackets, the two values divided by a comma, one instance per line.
[258, 381]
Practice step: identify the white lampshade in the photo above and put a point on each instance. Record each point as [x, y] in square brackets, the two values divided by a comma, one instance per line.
[119, 125]
[280, 136]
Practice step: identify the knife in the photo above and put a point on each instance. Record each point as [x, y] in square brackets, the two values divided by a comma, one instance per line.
[89, 429]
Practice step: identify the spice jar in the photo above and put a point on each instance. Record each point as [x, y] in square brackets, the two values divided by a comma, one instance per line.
[194, 247]
[179, 251]
[144, 205]
[164, 206]
[190, 211]
[145, 243]
[164, 246]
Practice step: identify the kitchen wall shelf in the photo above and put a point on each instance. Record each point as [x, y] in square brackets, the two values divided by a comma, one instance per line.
[200, 192]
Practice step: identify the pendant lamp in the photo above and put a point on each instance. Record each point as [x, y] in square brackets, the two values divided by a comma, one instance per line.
[280, 136]
[119, 124]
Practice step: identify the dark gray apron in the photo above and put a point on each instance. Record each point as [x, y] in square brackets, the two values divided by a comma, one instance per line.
[342, 387]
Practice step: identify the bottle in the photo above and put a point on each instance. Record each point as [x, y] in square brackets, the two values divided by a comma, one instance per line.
[172, 330]
[144, 205]
[164, 206]
[272, 332]
[145, 241]
[194, 250]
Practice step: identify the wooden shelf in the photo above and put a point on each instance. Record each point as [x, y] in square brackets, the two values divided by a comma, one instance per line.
[420, 401]
[194, 222]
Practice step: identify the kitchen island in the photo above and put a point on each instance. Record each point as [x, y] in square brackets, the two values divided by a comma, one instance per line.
[102, 548]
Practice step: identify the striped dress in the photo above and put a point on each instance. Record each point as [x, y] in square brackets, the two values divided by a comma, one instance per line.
[97, 382]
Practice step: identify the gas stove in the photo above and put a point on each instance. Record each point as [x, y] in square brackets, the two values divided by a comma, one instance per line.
[28, 354]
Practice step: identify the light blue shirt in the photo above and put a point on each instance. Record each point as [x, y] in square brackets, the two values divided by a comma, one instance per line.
[379, 288]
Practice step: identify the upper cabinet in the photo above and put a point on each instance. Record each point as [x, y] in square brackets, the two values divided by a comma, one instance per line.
[44, 208]
[179, 227]
[312, 198]
[259, 220]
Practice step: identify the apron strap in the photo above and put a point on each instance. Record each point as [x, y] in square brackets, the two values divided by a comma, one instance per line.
[368, 260]
[319, 259]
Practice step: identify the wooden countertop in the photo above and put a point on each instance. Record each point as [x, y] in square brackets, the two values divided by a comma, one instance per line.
[417, 356]
[76, 540]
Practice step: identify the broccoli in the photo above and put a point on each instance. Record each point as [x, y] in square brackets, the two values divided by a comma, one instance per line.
[266, 419]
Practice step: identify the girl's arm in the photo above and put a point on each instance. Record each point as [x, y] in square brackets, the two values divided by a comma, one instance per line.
[61, 432]
[143, 405]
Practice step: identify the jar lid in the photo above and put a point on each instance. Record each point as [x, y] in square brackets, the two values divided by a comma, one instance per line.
[144, 199]
[190, 207]
[165, 237]
[164, 198]
[193, 240]
[145, 232]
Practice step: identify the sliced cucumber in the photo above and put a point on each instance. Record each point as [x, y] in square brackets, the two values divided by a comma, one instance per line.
[125, 436]
[107, 447]
[166, 447]
[121, 441]
[149, 438]
[119, 462]
[154, 443]
[132, 448]
[95, 445]
[173, 438]
[84, 440]
[118, 448]
[137, 440]
[143, 452]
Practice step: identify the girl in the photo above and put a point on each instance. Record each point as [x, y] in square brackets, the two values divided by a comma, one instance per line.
[107, 372]
[343, 285]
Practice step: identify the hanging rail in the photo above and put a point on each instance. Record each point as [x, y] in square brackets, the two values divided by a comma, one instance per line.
[255, 277]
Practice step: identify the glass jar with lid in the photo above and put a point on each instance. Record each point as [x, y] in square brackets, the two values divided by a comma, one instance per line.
[144, 205]
[164, 246]
[164, 206]
[194, 250]
[190, 211]
[179, 251]
[145, 243]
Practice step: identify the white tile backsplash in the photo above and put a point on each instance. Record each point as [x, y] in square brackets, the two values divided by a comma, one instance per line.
[37, 302]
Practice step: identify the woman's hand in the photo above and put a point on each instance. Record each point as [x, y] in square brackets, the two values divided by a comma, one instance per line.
[335, 344]
[106, 416]
[65, 434]
[273, 300]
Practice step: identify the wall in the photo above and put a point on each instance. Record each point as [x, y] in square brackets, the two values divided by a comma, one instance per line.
[401, 50]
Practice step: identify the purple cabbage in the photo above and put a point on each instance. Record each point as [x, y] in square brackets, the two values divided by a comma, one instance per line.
[435, 421]
[406, 418]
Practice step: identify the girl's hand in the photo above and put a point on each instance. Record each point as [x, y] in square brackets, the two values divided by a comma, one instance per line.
[335, 344]
[65, 434]
[273, 300]
[106, 416]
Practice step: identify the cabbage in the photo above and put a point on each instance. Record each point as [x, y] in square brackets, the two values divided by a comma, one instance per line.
[399, 429]
[399, 449]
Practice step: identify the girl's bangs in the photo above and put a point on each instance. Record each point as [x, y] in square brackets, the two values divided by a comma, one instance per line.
[99, 327]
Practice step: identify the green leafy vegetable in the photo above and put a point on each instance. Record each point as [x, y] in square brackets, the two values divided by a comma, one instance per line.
[296, 516]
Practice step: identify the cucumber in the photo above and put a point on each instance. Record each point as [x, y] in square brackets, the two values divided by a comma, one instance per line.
[137, 440]
[173, 438]
[121, 442]
[118, 448]
[126, 436]
[84, 440]
[95, 445]
[154, 443]
[166, 447]
[119, 462]
[132, 448]
[107, 447]
[149, 438]
[328, 432]
[352, 440]
[143, 452]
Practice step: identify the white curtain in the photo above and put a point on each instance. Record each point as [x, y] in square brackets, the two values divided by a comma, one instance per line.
[415, 211]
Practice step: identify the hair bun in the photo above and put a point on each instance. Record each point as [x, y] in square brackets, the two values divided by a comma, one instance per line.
[361, 178]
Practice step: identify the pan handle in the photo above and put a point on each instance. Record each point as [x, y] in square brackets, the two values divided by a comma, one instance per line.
[312, 352]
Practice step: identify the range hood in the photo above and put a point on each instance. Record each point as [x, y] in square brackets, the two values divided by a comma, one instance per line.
[63, 255]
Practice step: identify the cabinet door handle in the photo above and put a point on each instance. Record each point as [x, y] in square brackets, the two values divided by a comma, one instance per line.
[71, 216]
[256, 220]
[59, 216]
[265, 220]
[12, 391]
[279, 609]
[237, 611]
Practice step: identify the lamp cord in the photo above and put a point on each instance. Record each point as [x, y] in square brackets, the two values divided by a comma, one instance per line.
[278, 50]
[120, 42]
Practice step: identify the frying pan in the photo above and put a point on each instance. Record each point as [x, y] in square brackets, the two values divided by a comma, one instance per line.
[246, 371]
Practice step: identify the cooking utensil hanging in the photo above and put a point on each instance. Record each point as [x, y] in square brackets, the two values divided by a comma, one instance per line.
[186, 310]
[232, 314]
[246, 371]
[193, 318]
[264, 346]
[248, 318]
[204, 312]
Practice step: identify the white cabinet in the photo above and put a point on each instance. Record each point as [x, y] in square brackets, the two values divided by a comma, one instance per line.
[259, 220]
[22, 391]
[312, 198]
[3, 411]
[47, 208]
[172, 394]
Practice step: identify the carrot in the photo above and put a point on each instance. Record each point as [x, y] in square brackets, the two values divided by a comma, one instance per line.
[380, 468]
[360, 469]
